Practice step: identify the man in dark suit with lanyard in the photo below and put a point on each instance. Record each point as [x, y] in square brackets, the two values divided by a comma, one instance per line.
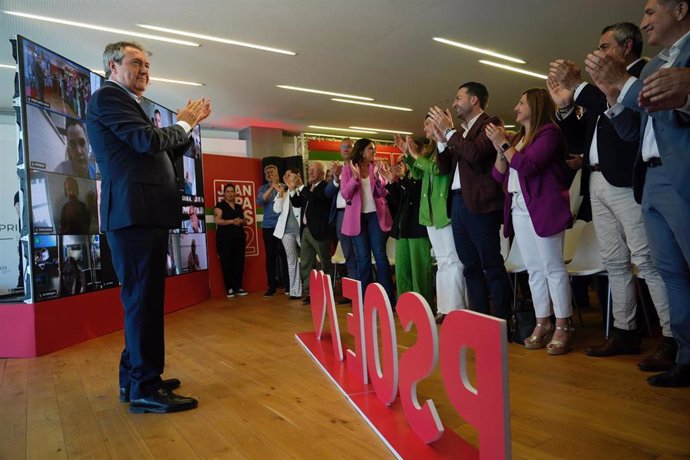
[140, 201]
[607, 177]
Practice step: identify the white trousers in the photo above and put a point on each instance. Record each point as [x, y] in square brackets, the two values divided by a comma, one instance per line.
[291, 245]
[623, 242]
[451, 291]
[543, 257]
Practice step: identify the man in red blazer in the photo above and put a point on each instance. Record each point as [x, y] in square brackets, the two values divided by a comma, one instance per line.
[475, 199]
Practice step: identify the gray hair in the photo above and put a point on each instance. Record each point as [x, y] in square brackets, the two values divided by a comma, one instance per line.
[116, 52]
[624, 31]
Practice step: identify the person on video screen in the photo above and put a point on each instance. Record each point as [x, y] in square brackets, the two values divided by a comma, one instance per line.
[75, 217]
[72, 279]
[193, 260]
[78, 160]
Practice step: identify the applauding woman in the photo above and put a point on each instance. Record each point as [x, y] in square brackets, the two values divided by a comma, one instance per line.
[287, 227]
[367, 218]
[537, 211]
[230, 241]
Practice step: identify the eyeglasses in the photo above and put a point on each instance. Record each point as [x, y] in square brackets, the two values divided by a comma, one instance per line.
[74, 143]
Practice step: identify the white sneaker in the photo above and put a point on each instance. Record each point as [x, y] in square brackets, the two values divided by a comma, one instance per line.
[241, 291]
[230, 293]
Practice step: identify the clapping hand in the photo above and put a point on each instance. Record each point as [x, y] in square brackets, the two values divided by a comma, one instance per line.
[412, 147]
[386, 172]
[400, 143]
[665, 89]
[496, 135]
[442, 119]
[607, 72]
[561, 94]
[337, 168]
[355, 170]
[195, 111]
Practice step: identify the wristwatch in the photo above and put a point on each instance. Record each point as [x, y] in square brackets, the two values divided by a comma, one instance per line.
[505, 146]
[447, 131]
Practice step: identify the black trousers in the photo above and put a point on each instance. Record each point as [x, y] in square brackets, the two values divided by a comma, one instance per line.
[276, 260]
[477, 241]
[138, 255]
[231, 254]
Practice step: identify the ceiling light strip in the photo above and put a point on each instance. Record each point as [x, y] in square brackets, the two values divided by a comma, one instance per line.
[327, 93]
[478, 50]
[513, 69]
[217, 39]
[330, 128]
[102, 28]
[382, 130]
[369, 104]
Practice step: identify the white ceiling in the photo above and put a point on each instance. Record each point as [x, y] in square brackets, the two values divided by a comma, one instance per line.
[377, 48]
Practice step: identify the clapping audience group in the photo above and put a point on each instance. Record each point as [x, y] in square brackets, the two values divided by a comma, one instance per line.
[446, 198]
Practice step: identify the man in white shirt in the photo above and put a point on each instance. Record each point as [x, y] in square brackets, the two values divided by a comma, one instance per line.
[662, 168]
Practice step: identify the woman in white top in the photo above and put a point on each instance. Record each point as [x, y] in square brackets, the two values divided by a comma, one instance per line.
[287, 228]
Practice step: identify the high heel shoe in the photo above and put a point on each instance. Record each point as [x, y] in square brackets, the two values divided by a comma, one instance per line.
[535, 342]
[561, 347]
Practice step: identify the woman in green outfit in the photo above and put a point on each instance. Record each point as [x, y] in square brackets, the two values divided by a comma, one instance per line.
[433, 213]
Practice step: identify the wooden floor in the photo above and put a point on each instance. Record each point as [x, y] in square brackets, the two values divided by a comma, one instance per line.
[262, 397]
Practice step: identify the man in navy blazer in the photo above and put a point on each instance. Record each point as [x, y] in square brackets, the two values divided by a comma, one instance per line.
[607, 179]
[140, 201]
[662, 167]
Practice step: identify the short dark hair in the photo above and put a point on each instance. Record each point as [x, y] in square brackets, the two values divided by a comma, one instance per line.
[477, 89]
[229, 184]
[623, 31]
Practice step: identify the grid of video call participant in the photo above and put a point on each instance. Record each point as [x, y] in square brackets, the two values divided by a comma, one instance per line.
[69, 255]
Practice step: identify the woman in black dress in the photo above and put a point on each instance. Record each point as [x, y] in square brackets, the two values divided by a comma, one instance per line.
[230, 241]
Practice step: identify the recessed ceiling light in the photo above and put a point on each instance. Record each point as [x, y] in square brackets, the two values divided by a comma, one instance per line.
[327, 93]
[382, 130]
[365, 131]
[478, 50]
[509, 126]
[217, 39]
[164, 80]
[514, 69]
[7, 66]
[381, 106]
[102, 28]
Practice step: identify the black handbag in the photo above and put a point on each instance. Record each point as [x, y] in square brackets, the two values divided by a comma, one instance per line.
[523, 321]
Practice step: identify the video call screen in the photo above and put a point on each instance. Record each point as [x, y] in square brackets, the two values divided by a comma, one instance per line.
[70, 255]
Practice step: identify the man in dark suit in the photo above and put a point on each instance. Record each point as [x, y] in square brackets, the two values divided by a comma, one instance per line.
[475, 198]
[662, 169]
[140, 201]
[607, 177]
[315, 227]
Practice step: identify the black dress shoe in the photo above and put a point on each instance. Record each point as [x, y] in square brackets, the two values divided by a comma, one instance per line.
[162, 402]
[677, 377]
[270, 292]
[662, 359]
[620, 343]
[294, 297]
[168, 384]
[306, 301]
[439, 318]
[343, 301]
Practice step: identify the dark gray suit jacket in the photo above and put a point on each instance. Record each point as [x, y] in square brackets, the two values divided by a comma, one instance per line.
[136, 160]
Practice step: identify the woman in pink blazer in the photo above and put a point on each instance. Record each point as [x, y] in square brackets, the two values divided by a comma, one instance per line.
[367, 218]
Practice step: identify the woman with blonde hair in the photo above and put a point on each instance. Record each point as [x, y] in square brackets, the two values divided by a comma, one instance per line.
[537, 211]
